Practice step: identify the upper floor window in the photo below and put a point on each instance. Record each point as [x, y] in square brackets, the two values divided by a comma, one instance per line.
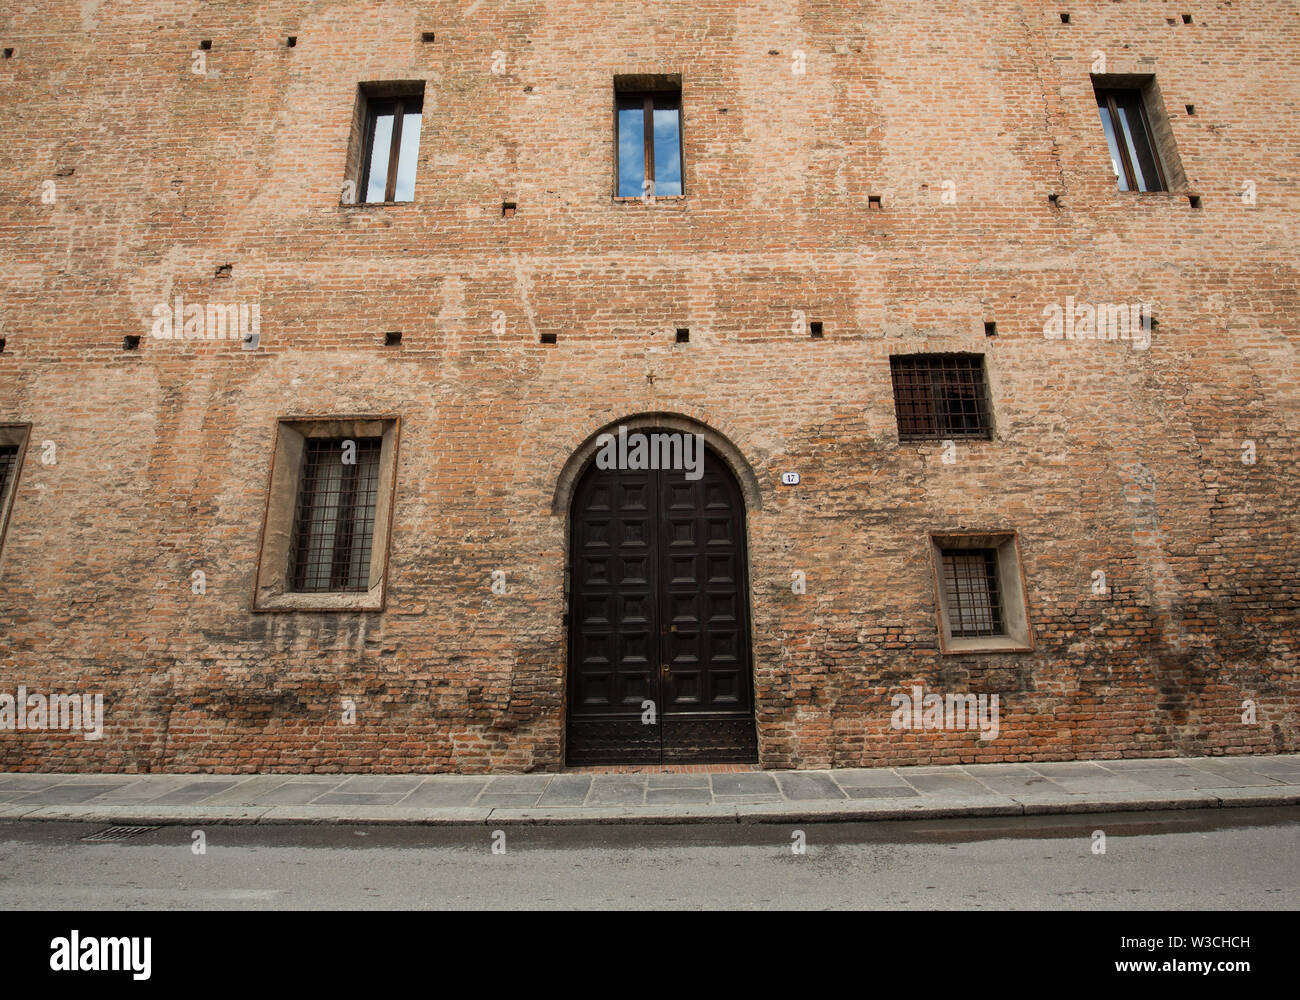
[649, 127]
[939, 396]
[385, 142]
[1133, 153]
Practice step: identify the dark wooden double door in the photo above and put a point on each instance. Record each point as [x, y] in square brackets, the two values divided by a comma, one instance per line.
[659, 650]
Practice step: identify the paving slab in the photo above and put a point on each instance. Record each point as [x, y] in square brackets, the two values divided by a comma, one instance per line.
[948, 784]
[677, 780]
[293, 793]
[439, 793]
[566, 790]
[867, 777]
[801, 785]
[629, 791]
[359, 798]
[750, 783]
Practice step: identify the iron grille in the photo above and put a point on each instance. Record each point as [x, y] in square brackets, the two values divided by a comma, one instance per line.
[970, 580]
[334, 519]
[940, 396]
[8, 458]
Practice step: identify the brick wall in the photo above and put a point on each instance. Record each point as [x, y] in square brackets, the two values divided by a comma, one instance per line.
[1104, 457]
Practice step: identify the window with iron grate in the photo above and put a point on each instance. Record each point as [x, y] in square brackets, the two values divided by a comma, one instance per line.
[940, 396]
[970, 578]
[334, 518]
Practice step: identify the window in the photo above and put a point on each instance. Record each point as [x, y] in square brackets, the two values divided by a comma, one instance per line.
[1133, 153]
[386, 141]
[334, 523]
[940, 396]
[328, 515]
[970, 581]
[13, 442]
[980, 593]
[648, 123]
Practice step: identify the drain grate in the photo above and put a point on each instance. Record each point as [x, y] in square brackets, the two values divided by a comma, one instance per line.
[116, 833]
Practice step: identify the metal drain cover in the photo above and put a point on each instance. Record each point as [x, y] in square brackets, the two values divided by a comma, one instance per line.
[115, 833]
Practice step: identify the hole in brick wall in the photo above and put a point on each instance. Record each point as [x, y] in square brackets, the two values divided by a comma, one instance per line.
[130, 342]
[1065, 18]
[291, 41]
[1054, 198]
[2, 345]
[426, 36]
[1194, 200]
[990, 329]
[548, 338]
[508, 209]
[1187, 19]
[9, 53]
[815, 330]
[683, 335]
[393, 338]
[224, 270]
[1191, 109]
[873, 201]
[206, 44]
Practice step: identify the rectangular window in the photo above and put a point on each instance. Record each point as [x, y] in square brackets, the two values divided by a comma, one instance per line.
[386, 141]
[970, 578]
[980, 593]
[1129, 136]
[649, 133]
[940, 396]
[334, 520]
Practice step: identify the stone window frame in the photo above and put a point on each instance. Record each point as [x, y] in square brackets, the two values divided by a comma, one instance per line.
[270, 585]
[1159, 125]
[12, 435]
[1017, 634]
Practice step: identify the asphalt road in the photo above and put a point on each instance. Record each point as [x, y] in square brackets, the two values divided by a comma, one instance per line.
[1215, 859]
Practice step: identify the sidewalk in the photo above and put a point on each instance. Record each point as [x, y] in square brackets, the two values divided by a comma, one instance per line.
[738, 797]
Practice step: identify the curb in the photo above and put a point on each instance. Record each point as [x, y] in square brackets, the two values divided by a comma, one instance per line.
[830, 811]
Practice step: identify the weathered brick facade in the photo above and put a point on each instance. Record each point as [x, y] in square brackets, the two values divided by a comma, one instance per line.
[962, 117]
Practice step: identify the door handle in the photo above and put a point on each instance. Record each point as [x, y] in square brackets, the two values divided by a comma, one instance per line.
[665, 673]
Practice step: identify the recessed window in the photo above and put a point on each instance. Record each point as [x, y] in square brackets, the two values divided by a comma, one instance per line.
[389, 121]
[980, 592]
[648, 126]
[940, 396]
[1129, 136]
[13, 442]
[325, 539]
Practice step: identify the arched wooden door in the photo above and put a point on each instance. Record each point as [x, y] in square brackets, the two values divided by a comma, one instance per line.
[660, 666]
